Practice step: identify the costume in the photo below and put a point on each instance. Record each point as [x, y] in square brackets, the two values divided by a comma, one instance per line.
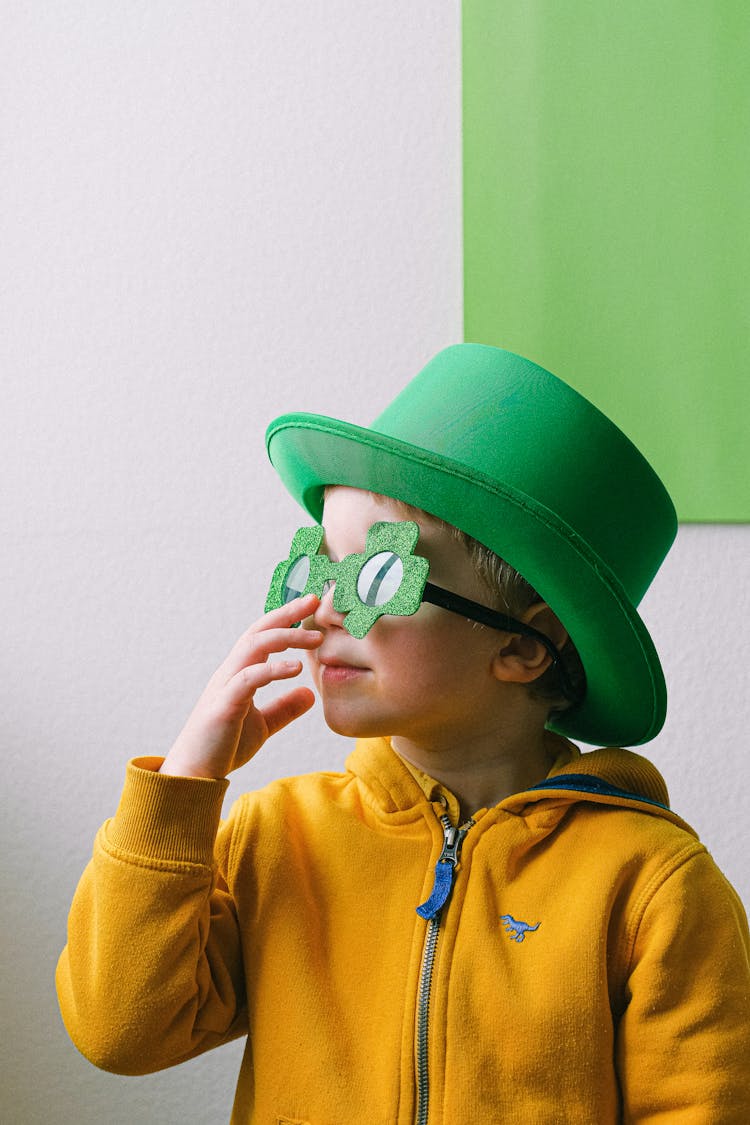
[591, 964]
[570, 955]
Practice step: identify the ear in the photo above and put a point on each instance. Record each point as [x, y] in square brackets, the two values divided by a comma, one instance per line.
[522, 659]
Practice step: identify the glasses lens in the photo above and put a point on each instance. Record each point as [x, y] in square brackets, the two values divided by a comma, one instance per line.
[295, 580]
[380, 578]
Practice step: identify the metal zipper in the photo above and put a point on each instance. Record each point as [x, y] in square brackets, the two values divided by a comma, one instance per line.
[423, 1010]
[432, 910]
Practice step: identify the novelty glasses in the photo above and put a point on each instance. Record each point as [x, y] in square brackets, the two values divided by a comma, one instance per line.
[386, 578]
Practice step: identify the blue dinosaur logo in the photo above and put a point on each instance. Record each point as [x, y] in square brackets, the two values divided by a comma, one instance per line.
[517, 930]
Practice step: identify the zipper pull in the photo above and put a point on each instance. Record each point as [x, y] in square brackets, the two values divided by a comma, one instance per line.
[445, 868]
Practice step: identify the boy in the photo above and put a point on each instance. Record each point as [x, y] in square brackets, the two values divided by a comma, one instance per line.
[474, 923]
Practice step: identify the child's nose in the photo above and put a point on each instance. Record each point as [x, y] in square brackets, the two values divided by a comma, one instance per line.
[325, 615]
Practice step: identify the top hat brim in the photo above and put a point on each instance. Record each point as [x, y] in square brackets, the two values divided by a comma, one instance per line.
[625, 700]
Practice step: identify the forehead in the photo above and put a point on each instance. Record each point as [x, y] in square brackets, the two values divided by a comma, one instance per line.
[357, 501]
[349, 512]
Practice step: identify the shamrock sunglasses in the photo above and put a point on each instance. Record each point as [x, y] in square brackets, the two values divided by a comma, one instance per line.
[386, 578]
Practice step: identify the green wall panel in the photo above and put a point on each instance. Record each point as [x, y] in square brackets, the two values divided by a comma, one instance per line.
[606, 225]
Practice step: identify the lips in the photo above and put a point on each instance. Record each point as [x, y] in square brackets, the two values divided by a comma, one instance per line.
[335, 670]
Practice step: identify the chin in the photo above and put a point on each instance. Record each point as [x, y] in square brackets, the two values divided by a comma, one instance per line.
[352, 726]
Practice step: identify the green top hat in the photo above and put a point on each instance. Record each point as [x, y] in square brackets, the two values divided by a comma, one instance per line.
[510, 454]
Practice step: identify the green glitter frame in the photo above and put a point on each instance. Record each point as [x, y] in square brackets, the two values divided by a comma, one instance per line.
[397, 538]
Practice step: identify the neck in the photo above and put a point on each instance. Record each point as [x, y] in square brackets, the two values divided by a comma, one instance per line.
[483, 769]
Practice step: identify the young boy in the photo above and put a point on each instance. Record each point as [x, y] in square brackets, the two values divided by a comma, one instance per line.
[475, 923]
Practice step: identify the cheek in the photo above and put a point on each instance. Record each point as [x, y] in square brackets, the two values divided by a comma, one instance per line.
[456, 650]
[435, 650]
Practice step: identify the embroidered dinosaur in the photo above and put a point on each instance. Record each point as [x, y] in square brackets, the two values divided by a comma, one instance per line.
[517, 930]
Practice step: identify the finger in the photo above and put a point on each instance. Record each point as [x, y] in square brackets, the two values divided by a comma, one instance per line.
[284, 710]
[284, 617]
[255, 648]
[288, 614]
[246, 651]
[238, 692]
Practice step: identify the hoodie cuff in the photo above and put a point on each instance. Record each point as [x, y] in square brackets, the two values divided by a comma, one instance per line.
[164, 818]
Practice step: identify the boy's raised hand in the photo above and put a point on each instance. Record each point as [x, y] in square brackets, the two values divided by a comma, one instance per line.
[225, 728]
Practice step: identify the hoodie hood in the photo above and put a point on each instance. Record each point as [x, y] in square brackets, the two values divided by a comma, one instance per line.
[610, 776]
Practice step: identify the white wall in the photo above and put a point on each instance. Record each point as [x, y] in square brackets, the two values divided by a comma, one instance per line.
[698, 611]
[211, 214]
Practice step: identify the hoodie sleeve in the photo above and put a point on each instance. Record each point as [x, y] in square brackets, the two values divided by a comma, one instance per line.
[684, 1038]
[152, 971]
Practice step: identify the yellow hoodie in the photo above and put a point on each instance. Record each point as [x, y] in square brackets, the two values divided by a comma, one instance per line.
[577, 956]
